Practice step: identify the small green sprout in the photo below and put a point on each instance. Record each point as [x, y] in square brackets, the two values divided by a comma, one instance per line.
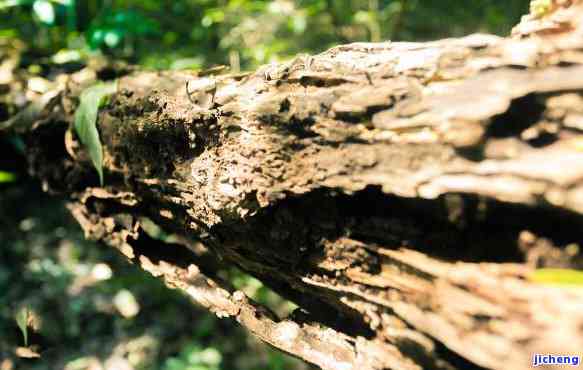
[90, 101]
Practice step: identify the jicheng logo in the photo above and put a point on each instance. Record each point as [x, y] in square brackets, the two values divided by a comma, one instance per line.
[560, 360]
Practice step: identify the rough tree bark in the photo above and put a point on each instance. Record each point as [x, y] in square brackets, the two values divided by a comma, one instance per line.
[399, 193]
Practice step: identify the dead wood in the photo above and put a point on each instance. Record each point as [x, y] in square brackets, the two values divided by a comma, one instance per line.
[399, 193]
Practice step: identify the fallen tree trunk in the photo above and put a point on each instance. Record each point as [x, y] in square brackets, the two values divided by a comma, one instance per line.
[399, 193]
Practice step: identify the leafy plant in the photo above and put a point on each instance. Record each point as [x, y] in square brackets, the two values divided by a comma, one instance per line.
[90, 101]
[214, 32]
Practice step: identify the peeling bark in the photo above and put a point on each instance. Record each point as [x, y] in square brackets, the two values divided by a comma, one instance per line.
[399, 193]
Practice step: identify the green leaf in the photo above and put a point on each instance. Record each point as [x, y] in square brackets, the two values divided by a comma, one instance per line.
[6, 177]
[557, 276]
[91, 100]
[22, 322]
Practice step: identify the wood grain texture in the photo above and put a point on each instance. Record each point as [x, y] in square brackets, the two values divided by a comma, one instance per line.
[399, 193]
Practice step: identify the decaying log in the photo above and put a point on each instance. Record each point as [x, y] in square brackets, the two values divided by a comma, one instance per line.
[399, 193]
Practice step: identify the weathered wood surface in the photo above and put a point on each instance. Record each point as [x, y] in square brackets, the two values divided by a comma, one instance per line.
[399, 193]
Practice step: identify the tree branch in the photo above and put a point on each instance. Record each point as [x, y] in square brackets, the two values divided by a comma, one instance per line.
[400, 193]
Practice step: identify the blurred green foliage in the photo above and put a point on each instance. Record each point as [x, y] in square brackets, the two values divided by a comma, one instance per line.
[245, 33]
